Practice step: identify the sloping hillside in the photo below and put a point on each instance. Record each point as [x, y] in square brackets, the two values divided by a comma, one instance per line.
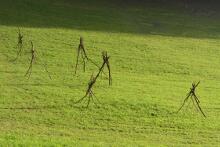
[156, 52]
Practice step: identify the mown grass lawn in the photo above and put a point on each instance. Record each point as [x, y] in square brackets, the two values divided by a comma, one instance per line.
[156, 53]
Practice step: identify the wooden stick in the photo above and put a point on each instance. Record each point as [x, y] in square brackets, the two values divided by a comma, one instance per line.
[200, 109]
[77, 59]
[185, 100]
[29, 71]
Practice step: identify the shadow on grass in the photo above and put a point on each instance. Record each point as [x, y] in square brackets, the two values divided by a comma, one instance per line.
[124, 16]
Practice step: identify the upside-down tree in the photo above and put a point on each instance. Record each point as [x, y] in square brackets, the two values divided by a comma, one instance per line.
[81, 50]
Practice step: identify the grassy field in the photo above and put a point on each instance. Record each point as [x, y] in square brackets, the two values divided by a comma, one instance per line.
[156, 51]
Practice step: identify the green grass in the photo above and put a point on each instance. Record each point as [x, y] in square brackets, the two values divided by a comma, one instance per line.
[153, 67]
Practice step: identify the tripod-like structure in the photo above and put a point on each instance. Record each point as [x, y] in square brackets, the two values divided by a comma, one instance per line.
[194, 98]
[19, 44]
[33, 60]
[81, 50]
[105, 58]
[89, 92]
